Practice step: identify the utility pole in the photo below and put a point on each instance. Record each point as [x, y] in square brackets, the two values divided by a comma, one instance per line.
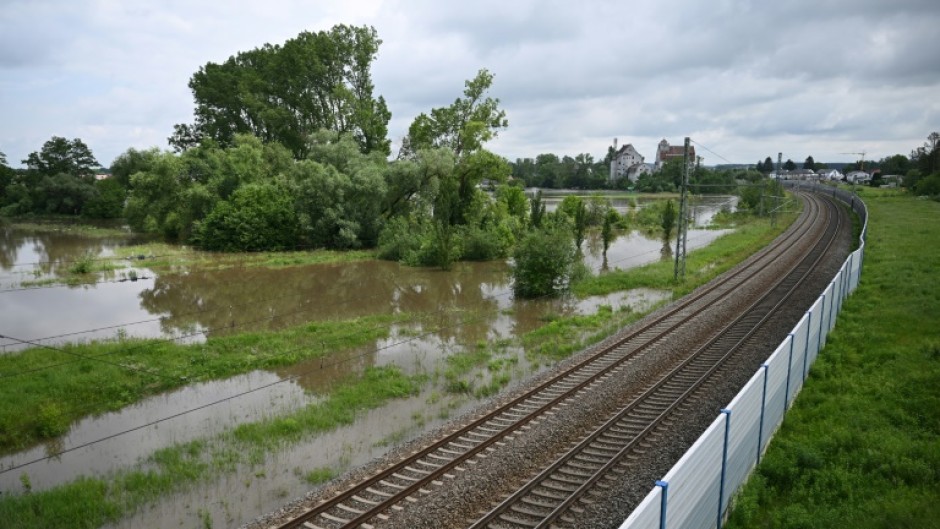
[683, 220]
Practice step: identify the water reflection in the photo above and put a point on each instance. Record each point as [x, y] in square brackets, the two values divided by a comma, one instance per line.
[40, 252]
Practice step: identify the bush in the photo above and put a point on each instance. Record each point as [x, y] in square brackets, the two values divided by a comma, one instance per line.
[544, 261]
[929, 186]
[258, 217]
[400, 239]
[107, 201]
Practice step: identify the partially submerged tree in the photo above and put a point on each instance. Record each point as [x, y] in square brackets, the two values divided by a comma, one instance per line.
[668, 219]
[444, 165]
[464, 126]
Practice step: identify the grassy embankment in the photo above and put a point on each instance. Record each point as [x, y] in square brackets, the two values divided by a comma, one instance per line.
[90, 502]
[861, 446]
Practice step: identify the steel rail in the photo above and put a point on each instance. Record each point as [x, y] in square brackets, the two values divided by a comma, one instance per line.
[658, 402]
[457, 436]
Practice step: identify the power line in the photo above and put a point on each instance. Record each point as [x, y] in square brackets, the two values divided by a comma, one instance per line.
[711, 151]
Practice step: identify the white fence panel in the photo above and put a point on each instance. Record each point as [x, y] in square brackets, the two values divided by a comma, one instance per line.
[856, 268]
[775, 405]
[838, 292]
[692, 496]
[743, 434]
[723, 456]
[828, 307]
[797, 357]
[647, 514]
[812, 340]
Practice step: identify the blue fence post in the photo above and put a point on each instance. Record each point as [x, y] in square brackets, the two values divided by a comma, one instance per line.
[786, 394]
[662, 503]
[809, 326]
[763, 406]
[724, 464]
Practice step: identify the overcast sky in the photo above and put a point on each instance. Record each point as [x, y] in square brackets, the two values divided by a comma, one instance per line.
[743, 79]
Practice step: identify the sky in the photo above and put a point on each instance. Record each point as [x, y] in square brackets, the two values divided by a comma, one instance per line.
[744, 80]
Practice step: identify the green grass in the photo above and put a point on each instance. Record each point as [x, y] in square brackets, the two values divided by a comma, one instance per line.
[92, 502]
[561, 337]
[106, 376]
[68, 225]
[163, 256]
[861, 446]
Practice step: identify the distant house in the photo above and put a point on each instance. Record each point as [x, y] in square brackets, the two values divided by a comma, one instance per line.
[666, 152]
[858, 177]
[829, 174]
[627, 163]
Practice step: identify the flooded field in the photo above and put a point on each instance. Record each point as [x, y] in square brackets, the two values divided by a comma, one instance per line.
[461, 309]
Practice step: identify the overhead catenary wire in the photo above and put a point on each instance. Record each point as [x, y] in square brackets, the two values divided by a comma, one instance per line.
[711, 151]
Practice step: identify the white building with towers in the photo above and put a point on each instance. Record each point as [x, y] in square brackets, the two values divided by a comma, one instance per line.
[627, 163]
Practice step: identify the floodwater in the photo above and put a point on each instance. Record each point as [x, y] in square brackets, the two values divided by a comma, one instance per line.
[470, 304]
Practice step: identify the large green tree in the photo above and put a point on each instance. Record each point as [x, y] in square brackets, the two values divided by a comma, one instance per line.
[287, 92]
[59, 155]
[464, 126]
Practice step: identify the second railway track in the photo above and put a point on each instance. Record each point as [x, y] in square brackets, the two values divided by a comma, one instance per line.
[372, 501]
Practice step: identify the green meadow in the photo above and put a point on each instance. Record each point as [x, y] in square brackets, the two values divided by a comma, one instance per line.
[861, 446]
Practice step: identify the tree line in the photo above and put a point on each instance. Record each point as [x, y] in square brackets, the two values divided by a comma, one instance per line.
[918, 171]
[548, 171]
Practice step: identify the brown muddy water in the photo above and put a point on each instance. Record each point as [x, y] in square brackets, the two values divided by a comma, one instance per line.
[473, 303]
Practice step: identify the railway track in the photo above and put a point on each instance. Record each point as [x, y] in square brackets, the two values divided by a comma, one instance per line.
[547, 499]
[372, 500]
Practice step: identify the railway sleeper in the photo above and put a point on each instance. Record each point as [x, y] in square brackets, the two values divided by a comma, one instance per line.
[584, 457]
[391, 485]
[360, 499]
[517, 521]
[433, 466]
[381, 493]
[335, 519]
[523, 509]
[600, 452]
[562, 477]
[351, 510]
[533, 500]
[589, 466]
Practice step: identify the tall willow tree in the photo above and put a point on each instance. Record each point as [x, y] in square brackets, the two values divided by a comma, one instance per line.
[286, 92]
